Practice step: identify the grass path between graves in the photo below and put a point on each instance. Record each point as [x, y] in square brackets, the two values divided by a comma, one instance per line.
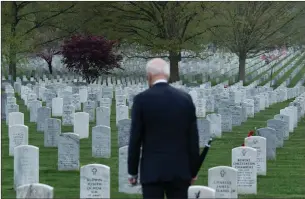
[275, 73]
[297, 78]
[285, 176]
[286, 75]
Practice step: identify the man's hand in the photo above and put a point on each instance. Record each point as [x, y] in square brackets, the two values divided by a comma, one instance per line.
[133, 180]
[193, 180]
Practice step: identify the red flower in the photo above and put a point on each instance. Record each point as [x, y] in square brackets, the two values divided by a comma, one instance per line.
[250, 133]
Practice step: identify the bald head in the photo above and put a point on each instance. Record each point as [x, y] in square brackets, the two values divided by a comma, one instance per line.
[158, 66]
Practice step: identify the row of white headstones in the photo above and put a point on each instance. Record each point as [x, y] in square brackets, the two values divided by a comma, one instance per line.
[130, 81]
[211, 63]
[296, 71]
[272, 68]
[91, 193]
[288, 68]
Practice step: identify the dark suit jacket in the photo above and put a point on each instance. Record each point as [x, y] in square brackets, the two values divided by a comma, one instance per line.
[164, 124]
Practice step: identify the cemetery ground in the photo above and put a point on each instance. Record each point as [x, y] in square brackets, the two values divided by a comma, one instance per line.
[285, 175]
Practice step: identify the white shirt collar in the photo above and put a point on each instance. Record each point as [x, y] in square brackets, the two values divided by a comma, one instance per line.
[160, 81]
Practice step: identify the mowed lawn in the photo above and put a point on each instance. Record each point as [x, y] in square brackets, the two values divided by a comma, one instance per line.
[285, 176]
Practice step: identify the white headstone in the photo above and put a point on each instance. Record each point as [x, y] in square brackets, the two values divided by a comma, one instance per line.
[95, 181]
[57, 106]
[101, 141]
[223, 180]
[51, 132]
[124, 186]
[35, 191]
[68, 115]
[196, 191]
[34, 106]
[260, 144]
[68, 151]
[81, 124]
[122, 112]
[26, 165]
[103, 116]
[18, 135]
[43, 114]
[244, 160]
[15, 118]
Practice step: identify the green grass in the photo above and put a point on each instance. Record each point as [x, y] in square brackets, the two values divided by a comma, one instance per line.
[297, 78]
[286, 75]
[275, 73]
[285, 176]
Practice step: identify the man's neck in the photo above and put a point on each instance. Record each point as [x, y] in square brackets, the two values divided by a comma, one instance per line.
[159, 81]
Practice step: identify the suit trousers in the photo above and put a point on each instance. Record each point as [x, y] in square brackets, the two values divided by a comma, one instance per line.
[177, 189]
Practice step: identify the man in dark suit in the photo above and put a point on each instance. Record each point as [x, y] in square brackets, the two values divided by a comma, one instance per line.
[164, 125]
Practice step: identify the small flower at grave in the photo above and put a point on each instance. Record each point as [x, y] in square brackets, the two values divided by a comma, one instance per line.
[251, 133]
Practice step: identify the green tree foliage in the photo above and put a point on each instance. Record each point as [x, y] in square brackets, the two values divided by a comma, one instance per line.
[158, 27]
[247, 28]
[24, 22]
[154, 28]
[296, 29]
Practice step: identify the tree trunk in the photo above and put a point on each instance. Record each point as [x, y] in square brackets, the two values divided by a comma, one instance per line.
[12, 61]
[12, 45]
[242, 67]
[50, 67]
[174, 58]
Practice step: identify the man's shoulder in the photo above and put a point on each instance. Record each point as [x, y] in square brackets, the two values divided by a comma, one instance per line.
[141, 95]
[173, 91]
[138, 96]
[181, 93]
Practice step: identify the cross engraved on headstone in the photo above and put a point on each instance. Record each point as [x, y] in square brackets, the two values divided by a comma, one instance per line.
[255, 141]
[197, 195]
[32, 191]
[244, 152]
[25, 150]
[94, 170]
[222, 173]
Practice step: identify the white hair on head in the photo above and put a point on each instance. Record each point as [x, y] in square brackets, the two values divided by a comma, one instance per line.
[158, 66]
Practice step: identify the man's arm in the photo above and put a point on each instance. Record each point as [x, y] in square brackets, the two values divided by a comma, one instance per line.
[135, 139]
[194, 142]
